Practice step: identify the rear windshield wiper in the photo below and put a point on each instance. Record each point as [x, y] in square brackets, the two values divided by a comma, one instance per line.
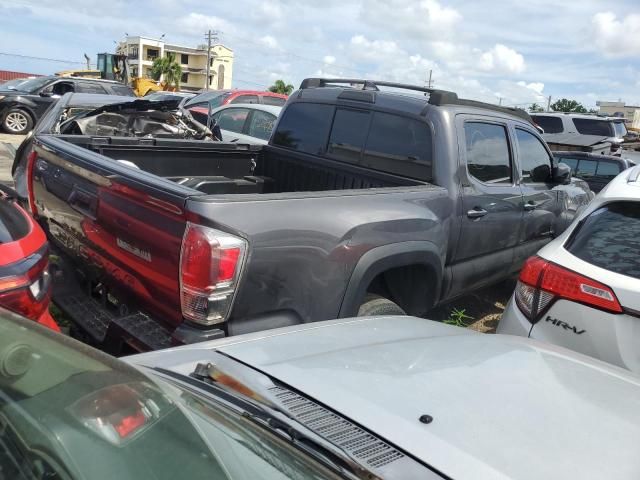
[265, 413]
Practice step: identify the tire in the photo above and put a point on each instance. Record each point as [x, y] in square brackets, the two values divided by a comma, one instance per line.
[17, 122]
[375, 306]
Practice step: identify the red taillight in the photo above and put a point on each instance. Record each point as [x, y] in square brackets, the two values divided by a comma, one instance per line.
[27, 294]
[541, 282]
[209, 268]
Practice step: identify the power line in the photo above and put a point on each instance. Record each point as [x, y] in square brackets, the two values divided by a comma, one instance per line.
[39, 58]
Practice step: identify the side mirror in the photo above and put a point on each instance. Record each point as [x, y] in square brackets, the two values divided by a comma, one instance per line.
[562, 174]
[541, 174]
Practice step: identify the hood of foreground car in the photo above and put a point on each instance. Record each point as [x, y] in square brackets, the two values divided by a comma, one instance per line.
[502, 407]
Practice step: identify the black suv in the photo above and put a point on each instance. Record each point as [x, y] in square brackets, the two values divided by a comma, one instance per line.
[597, 170]
[22, 105]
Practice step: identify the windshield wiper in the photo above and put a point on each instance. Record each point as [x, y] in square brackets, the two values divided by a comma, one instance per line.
[267, 414]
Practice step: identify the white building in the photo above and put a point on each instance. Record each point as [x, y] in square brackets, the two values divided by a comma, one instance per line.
[142, 51]
[619, 109]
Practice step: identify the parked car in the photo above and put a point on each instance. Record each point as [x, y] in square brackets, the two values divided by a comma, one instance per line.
[22, 105]
[25, 283]
[201, 104]
[364, 202]
[596, 170]
[246, 123]
[582, 291]
[611, 128]
[369, 398]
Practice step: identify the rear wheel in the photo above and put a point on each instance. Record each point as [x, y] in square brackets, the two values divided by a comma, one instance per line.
[17, 121]
[375, 305]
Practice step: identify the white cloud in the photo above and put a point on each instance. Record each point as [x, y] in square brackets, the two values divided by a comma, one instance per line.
[329, 59]
[380, 51]
[535, 86]
[501, 59]
[614, 37]
[269, 42]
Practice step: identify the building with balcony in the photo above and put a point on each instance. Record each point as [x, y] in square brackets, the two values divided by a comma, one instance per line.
[142, 51]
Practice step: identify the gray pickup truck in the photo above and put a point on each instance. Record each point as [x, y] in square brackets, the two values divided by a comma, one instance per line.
[370, 198]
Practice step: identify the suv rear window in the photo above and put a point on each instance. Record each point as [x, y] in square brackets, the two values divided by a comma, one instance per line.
[304, 127]
[589, 126]
[610, 238]
[549, 124]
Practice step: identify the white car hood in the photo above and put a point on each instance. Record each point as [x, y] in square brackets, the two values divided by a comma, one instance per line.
[502, 407]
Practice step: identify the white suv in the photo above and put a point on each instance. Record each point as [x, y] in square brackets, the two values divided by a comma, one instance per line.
[582, 290]
[611, 127]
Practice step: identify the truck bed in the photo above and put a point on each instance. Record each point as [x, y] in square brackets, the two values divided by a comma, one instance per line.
[215, 168]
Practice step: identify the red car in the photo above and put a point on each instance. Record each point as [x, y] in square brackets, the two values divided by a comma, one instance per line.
[200, 104]
[25, 283]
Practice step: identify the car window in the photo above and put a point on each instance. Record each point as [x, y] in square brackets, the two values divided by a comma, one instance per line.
[204, 99]
[348, 135]
[399, 145]
[586, 168]
[89, 87]
[607, 170]
[591, 126]
[304, 127]
[122, 90]
[571, 162]
[277, 101]
[533, 157]
[233, 119]
[549, 124]
[620, 129]
[487, 149]
[60, 88]
[204, 105]
[261, 124]
[610, 238]
[245, 99]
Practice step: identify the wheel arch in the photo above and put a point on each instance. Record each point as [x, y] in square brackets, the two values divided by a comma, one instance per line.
[422, 259]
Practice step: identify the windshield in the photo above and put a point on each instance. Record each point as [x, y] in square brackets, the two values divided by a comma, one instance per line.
[215, 99]
[68, 411]
[33, 84]
[12, 84]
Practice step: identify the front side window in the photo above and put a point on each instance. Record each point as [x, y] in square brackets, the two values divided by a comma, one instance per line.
[232, 119]
[592, 126]
[488, 156]
[88, 87]
[348, 135]
[610, 238]
[586, 168]
[261, 124]
[399, 145]
[535, 163]
[304, 127]
[61, 88]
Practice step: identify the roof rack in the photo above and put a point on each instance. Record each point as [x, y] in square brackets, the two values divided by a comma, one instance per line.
[634, 174]
[436, 97]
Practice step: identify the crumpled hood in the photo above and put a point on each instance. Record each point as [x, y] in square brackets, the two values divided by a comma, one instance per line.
[502, 407]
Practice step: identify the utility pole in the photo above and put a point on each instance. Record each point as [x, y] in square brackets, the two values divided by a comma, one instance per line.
[209, 36]
[500, 101]
[548, 102]
[430, 82]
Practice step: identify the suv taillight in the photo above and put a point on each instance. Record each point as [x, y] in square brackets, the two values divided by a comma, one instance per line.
[27, 294]
[210, 265]
[542, 282]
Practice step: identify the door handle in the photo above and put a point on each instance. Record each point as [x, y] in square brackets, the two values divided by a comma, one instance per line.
[477, 212]
[530, 206]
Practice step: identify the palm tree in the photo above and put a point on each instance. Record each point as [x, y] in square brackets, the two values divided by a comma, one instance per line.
[280, 87]
[168, 67]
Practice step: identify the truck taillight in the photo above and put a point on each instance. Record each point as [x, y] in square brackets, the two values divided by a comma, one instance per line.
[210, 265]
[541, 282]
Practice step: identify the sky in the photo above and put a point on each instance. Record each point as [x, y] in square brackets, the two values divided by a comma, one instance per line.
[516, 52]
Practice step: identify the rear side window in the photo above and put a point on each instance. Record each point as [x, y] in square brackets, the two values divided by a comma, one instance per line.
[122, 90]
[304, 127]
[399, 145]
[607, 170]
[535, 162]
[549, 124]
[571, 162]
[488, 156]
[261, 124]
[348, 135]
[610, 238]
[277, 101]
[232, 119]
[89, 87]
[590, 126]
[245, 99]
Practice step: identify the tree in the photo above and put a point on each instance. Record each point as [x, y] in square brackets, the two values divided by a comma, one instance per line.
[566, 105]
[168, 67]
[280, 87]
[535, 108]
